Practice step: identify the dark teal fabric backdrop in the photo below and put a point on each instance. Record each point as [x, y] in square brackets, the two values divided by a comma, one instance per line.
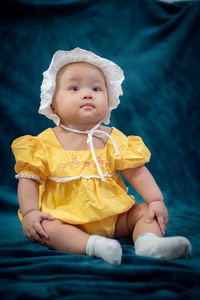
[158, 47]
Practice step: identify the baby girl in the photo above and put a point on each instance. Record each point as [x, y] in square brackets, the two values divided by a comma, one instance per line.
[71, 195]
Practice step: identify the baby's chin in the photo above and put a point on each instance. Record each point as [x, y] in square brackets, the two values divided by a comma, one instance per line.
[80, 125]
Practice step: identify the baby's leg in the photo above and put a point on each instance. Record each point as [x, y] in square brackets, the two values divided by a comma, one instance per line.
[148, 238]
[65, 237]
[137, 217]
[70, 239]
[134, 223]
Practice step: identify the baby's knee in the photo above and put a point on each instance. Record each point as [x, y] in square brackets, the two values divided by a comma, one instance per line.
[137, 212]
[141, 210]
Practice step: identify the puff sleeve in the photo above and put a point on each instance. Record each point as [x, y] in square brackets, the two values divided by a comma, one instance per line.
[133, 153]
[30, 158]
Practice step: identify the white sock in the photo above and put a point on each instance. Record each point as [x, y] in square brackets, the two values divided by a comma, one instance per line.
[105, 248]
[149, 244]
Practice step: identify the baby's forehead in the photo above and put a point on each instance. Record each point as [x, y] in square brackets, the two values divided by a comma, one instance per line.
[78, 69]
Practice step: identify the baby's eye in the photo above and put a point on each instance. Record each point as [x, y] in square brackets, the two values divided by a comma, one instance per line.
[74, 88]
[96, 89]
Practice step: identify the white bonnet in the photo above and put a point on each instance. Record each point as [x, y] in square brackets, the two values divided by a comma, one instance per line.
[114, 77]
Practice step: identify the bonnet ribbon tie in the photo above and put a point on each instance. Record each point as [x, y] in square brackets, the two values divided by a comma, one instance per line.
[94, 132]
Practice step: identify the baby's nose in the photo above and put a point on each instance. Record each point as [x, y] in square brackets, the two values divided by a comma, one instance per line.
[87, 95]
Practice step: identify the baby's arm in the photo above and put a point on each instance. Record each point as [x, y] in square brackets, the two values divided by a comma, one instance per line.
[143, 182]
[28, 193]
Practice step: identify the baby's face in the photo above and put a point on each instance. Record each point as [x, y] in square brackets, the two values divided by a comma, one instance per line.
[80, 99]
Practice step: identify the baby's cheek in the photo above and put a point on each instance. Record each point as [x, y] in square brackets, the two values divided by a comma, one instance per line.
[104, 110]
[105, 105]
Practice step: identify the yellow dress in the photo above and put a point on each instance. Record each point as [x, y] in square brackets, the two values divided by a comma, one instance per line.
[70, 187]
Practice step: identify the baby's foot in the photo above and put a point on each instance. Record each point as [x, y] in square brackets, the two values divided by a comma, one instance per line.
[151, 245]
[107, 249]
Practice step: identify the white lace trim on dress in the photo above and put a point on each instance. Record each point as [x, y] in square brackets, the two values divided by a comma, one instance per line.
[61, 179]
[29, 176]
[67, 179]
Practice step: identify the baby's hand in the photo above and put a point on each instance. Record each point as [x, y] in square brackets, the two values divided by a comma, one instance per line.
[32, 227]
[157, 210]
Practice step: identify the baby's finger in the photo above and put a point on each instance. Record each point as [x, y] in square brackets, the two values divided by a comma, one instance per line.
[38, 240]
[45, 216]
[150, 216]
[161, 223]
[40, 231]
[36, 237]
[27, 235]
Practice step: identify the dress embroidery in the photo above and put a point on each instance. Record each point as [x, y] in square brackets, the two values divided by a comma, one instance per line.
[90, 133]
[63, 166]
[100, 160]
[75, 162]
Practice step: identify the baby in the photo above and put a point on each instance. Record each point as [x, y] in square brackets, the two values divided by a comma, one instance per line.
[70, 192]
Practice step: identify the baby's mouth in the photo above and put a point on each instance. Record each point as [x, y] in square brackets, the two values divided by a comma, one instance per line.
[88, 105]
